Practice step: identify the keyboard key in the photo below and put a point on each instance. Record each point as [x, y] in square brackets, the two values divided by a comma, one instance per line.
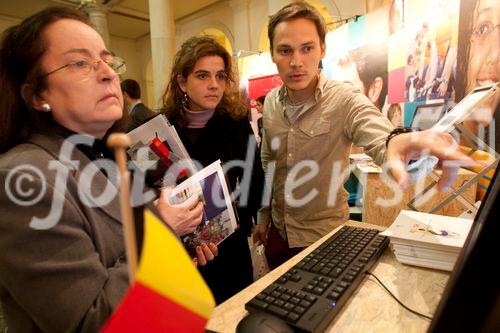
[318, 267]
[301, 264]
[270, 299]
[318, 290]
[292, 316]
[326, 270]
[344, 284]
[308, 288]
[276, 294]
[305, 304]
[296, 278]
[279, 302]
[334, 295]
[364, 259]
[356, 270]
[310, 298]
[277, 311]
[348, 277]
[300, 310]
[300, 294]
[310, 264]
[261, 296]
[323, 285]
[295, 300]
[285, 297]
[335, 272]
[282, 280]
[289, 306]
[339, 289]
[258, 304]
[328, 280]
[270, 289]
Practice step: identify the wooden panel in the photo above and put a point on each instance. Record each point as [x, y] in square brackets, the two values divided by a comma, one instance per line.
[377, 196]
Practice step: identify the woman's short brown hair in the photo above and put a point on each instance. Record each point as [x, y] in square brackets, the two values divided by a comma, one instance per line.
[293, 11]
[21, 49]
[190, 52]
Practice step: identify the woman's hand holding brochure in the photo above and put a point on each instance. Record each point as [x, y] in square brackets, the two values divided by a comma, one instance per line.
[184, 218]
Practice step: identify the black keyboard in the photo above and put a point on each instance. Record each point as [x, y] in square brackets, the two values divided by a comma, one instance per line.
[311, 293]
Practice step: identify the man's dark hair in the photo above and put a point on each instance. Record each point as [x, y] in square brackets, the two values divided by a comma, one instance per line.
[294, 11]
[132, 88]
[261, 99]
[371, 62]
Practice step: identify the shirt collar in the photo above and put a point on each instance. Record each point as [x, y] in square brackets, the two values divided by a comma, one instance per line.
[318, 92]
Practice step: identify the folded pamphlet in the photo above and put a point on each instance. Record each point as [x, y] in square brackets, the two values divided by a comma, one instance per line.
[219, 218]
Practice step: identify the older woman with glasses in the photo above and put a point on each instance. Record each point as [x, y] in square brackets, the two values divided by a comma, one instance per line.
[62, 257]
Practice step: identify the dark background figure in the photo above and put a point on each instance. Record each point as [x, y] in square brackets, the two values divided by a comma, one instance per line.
[259, 105]
[371, 65]
[138, 112]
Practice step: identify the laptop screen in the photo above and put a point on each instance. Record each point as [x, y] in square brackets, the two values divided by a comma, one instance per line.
[427, 115]
[471, 300]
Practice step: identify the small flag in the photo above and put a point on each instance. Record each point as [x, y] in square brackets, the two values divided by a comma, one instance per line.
[169, 294]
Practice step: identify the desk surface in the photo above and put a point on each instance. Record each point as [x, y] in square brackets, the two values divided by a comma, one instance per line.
[370, 309]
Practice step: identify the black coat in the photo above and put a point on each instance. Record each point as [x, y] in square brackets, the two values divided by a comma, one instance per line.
[227, 139]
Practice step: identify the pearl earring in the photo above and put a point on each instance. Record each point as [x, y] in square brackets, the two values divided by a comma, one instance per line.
[46, 107]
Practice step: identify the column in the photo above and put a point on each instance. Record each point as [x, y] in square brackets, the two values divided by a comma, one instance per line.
[241, 25]
[98, 16]
[162, 27]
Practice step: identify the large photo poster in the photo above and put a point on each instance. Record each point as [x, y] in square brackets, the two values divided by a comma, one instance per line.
[478, 63]
[415, 59]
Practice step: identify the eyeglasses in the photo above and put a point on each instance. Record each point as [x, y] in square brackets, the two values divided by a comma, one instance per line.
[485, 30]
[84, 66]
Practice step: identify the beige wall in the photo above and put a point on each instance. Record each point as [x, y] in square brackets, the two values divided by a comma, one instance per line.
[6, 22]
[137, 52]
[137, 55]
[218, 16]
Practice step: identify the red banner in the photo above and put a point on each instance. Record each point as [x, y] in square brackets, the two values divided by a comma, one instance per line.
[261, 86]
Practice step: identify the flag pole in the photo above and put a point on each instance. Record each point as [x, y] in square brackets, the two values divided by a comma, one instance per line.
[119, 142]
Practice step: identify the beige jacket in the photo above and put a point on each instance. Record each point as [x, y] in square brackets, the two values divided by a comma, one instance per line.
[313, 154]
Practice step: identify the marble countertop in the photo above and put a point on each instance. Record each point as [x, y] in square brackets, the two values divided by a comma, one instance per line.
[370, 309]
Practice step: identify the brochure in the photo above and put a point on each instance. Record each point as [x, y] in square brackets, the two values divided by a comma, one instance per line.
[219, 218]
[158, 152]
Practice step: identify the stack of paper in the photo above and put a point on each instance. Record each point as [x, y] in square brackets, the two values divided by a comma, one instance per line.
[428, 240]
[365, 163]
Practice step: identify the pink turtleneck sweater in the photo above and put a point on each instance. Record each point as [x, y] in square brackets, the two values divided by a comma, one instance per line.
[198, 119]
